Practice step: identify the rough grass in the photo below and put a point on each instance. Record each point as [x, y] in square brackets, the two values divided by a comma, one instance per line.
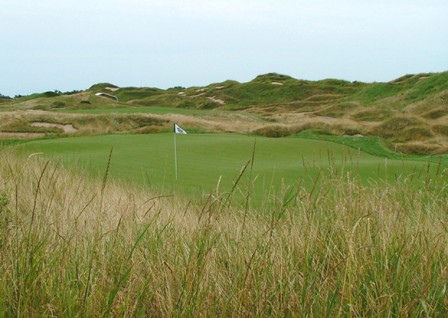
[337, 110]
[74, 247]
[372, 114]
[402, 129]
[23, 125]
[436, 113]
[441, 129]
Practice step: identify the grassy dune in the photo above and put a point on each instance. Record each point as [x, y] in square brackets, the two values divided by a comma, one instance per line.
[409, 112]
[71, 246]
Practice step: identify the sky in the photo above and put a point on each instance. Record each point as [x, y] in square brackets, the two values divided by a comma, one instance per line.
[70, 45]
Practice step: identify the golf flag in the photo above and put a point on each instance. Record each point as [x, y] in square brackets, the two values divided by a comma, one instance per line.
[179, 130]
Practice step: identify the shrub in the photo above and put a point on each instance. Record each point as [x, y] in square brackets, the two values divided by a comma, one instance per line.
[51, 94]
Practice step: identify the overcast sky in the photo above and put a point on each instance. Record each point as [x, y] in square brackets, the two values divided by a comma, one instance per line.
[73, 44]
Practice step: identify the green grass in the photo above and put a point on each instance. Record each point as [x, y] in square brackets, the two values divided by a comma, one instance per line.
[425, 87]
[204, 160]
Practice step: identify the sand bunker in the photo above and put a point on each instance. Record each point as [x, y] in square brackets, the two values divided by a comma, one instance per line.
[216, 100]
[68, 129]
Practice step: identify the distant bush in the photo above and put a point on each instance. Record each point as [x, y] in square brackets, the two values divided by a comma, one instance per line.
[51, 94]
[72, 92]
[177, 88]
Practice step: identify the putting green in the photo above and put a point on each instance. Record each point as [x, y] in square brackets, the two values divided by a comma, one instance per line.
[204, 160]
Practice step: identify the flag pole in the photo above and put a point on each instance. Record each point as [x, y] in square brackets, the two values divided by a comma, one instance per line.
[175, 151]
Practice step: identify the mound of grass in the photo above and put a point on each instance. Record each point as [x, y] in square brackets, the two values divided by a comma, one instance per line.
[106, 123]
[441, 129]
[372, 114]
[393, 128]
[416, 134]
[272, 77]
[337, 110]
[131, 93]
[58, 104]
[436, 113]
[101, 87]
[377, 91]
[417, 148]
[428, 85]
[368, 144]
[273, 131]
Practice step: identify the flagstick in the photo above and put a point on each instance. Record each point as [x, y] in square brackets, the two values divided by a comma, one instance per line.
[175, 154]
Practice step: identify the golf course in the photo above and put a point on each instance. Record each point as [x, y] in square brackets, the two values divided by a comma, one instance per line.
[284, 198]
[209, 161]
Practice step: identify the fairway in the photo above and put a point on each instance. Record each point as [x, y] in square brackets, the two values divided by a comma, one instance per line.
[204, 160]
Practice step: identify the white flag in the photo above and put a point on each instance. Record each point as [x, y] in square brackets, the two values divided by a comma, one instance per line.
[179, 130]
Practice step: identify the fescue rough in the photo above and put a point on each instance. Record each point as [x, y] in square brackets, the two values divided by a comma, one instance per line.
[71, 246]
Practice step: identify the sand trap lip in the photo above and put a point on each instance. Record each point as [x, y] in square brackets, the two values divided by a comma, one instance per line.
[68, 128]
[216, 100]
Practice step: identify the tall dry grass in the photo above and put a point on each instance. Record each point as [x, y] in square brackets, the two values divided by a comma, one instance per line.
[71, 246]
